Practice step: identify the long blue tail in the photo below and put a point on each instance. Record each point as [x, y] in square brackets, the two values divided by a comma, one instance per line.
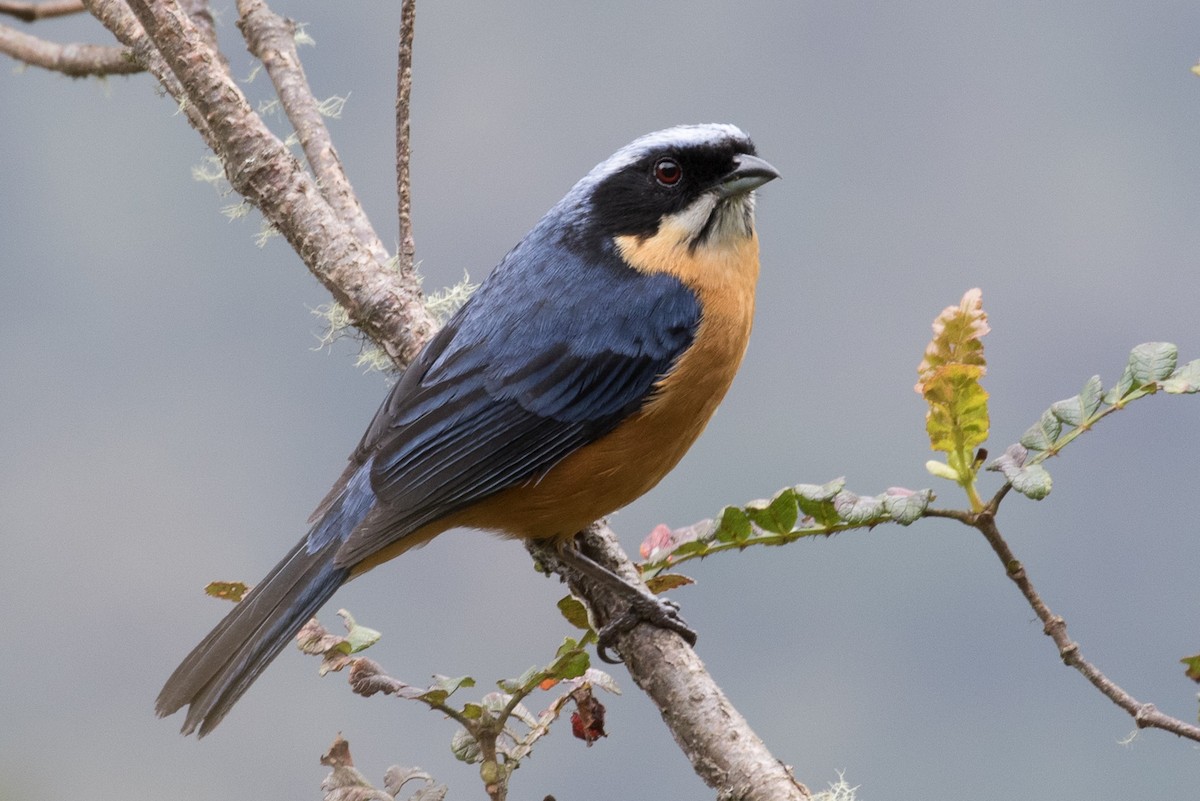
[224, 665]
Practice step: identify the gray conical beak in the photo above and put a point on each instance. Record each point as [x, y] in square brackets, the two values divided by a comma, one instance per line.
[748, 174]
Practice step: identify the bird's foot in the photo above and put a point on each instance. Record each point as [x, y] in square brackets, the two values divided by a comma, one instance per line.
[660, 612]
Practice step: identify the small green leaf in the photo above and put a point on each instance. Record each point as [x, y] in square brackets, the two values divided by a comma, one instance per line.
[958, 414]
[777, 515]
[905, 506]
[819, 493]
[816, 501]
[1152, 361]
[1042, 435]
[1091, 396]
[1069, 411]
[465, 747]
[357, 637]
[858, 509]
[733, 525]
[1184, 380]
[1032, 482]
[520, 682]
[575, 612]
[570, 665]
[443, 687]
[1193, 667]
[472, 711]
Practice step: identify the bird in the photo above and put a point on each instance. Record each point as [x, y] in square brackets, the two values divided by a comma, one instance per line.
[571, 381]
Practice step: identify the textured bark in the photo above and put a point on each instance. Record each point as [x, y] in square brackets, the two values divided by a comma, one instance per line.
[723, 749]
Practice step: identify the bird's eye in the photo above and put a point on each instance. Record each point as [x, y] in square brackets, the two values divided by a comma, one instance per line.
[667, 172]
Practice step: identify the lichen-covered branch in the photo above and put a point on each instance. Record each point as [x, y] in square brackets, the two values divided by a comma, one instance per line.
[271, 38]
[389, 310]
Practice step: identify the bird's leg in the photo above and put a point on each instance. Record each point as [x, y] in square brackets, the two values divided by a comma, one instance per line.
[643, 606]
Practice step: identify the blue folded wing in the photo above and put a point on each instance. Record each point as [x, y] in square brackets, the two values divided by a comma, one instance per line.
[521, 377]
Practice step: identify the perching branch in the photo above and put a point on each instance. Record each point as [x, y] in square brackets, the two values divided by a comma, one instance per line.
[723, 749]
[73, 59]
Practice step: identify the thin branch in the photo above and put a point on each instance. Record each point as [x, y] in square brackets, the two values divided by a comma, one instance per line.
[1055, 627]
[120, 21]
[32, 12]
[75, 60]
[271, 38]
[259, 167]
[723, 749]
[408, 248]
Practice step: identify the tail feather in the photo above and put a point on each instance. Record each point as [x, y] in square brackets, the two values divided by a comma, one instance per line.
[222, 667]
[219, 670]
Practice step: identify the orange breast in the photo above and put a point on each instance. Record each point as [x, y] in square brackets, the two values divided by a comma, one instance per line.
[613, 471]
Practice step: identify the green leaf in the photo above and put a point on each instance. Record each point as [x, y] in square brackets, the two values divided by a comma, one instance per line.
[856, 509]
[1075, 411]
[1152, 361]
[958, 415]
[575, 612]
[520, 682]
[905, 506]
[465, 747]
[1042, 435]
[443, 687]
[816, 501]
[357, 637]
[570, 664]
[777, 515]
[1092, 395]
[1193, 667]
[472, 711]
[1031, 481]
[733, 525]
[1184, 380]
[819, 493]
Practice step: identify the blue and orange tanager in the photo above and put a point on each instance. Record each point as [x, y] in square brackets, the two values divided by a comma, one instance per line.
[568, 385]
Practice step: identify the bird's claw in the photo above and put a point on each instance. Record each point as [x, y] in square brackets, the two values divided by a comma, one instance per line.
[660, 612]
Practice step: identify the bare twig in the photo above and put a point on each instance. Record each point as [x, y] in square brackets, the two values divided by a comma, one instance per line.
[407, 254]
[271, 38]
[723, 749]
[1055, 627]
[75, 60]
[32, 12]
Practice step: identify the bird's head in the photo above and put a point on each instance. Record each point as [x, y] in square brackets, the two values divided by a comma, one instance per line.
[690, 186]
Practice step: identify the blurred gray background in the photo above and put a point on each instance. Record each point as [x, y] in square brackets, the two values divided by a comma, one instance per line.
[166, 417]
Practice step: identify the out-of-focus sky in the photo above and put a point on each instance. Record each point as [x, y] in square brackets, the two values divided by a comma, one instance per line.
[167, 417]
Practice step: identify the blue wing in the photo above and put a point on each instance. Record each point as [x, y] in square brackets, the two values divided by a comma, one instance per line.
[551, 353]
